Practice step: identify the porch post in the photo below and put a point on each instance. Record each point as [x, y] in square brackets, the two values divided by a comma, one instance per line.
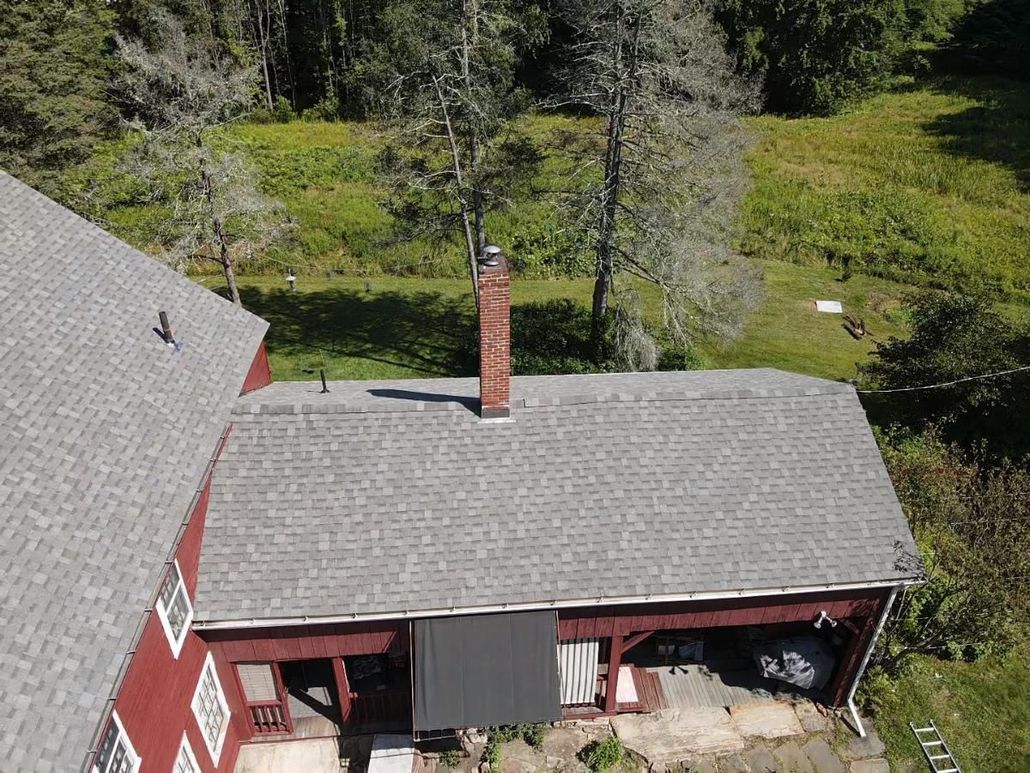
[342, 688]
[612, 683]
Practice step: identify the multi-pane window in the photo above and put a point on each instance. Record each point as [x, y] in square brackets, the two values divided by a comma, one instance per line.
[174, 609]
[116, 754]
[186, 762]
[210, 709]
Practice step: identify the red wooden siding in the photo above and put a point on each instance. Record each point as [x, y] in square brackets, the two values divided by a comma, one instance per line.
[862, 608]
[154, 703]
[305, 642]
[260, 374]
[592, 622]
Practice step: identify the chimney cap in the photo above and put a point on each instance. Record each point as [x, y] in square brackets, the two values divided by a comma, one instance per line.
[491, 255]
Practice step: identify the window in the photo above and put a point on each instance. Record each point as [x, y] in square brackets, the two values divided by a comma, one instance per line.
[174, 609]
[116, 754]
[186, 762]
[210, 709]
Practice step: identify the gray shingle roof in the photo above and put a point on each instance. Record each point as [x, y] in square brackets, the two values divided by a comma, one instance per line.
[105, 435]
[386, 497]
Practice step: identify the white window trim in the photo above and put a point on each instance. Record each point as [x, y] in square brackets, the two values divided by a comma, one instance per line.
[185, 750]
[124, 738]
[215, 751]
[162, 613]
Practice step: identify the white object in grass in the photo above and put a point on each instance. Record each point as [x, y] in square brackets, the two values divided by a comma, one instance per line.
[829, 307]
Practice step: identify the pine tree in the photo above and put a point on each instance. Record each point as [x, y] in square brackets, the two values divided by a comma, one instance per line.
[54, 67]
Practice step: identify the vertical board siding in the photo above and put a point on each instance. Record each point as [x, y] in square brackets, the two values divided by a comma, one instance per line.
[578, 661]
[592, 622]
[306, 642]
[154, 702]
[260, 373]
[862, 607]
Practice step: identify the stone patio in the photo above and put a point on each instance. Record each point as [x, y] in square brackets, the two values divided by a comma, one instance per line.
[767, 737]
[772, 736]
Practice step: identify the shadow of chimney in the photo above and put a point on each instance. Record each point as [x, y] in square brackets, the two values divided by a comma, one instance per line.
[470, 403]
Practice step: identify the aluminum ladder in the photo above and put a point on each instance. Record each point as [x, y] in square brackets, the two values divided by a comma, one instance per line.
[937, 753]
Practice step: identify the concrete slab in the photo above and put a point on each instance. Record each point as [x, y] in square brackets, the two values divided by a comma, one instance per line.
[811, 718]
[315, 755]
[772, 719]
[792, 759]
[392, 754]
[870, 746]
[878, 765]
[823, 758]
[734, 764]
[761, 760]
[667, 738]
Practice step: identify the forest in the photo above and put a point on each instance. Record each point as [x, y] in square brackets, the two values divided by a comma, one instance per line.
[674, 182]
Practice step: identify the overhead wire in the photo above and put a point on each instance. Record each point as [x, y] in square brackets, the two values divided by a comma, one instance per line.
[943, 383]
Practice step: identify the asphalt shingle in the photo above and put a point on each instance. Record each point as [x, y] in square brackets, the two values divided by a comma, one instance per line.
[393, 497]
[104, 438]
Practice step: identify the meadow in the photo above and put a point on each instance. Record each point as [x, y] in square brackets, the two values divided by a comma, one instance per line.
[929, 185]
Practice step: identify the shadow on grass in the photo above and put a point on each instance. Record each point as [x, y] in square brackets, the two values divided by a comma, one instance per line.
[997, 130]
[430, 333]
[426, 332]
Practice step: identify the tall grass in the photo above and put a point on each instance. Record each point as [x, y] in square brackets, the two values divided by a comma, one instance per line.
[930, 186]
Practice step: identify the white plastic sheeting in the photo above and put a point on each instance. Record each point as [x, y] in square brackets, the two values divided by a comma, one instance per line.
[578, 662]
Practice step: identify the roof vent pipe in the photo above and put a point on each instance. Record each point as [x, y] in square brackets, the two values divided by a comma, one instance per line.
[166, 328]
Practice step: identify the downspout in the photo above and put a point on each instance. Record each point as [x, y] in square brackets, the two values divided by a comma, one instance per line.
[865, 662]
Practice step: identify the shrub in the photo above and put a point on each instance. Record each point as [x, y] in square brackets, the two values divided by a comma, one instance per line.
[283, 111]
[969, 518]
[492, 753]
[450, 758]
[602, 755]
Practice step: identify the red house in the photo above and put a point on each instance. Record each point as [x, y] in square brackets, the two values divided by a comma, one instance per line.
[199, 558]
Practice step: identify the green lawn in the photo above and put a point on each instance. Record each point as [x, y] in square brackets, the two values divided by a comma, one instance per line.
[397, 327]
[982, 710]
[929, 185]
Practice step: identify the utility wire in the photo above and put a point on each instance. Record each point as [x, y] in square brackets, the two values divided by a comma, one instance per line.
[942, 384]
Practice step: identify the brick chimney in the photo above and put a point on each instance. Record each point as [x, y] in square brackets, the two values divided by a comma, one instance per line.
[494, 335]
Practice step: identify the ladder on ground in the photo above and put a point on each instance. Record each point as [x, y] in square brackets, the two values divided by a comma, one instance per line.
[936, 751]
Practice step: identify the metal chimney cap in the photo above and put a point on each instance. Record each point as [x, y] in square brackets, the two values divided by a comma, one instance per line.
[490, 256]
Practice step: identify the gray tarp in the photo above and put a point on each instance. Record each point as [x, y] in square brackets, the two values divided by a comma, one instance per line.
[804, 661]
[483, 670]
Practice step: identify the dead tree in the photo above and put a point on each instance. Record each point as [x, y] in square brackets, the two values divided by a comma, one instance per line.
[182, 91]
[450, 96]
[661, 189]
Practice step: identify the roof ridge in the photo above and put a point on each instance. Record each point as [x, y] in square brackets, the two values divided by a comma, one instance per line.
[358, 403]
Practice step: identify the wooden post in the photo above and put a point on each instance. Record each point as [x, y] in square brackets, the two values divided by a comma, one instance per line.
[612, 684]
[342, 689]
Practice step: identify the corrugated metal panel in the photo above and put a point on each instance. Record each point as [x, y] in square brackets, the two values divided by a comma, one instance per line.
[578, 661]
[258, 681]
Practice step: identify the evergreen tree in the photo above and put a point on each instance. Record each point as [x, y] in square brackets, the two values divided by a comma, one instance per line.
[54, 68]
[815, 55]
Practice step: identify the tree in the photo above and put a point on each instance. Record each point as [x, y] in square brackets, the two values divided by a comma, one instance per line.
[992, 37]
[449, 74]
[955, 337]
[53, 75]
[671, 168]
[972, 523]
[181, 92]
[815, 55]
